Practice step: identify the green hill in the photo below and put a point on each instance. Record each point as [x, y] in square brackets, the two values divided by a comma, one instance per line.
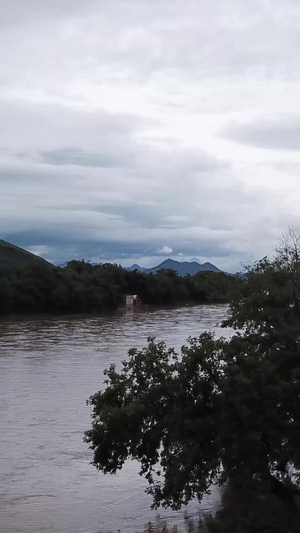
[12, 256]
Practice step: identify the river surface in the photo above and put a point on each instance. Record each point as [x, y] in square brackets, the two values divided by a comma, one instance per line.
[48, 369]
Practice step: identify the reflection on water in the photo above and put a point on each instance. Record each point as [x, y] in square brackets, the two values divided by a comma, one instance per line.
[48, 368]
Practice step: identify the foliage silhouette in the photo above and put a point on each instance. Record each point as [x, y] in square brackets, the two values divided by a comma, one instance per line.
[221, 411]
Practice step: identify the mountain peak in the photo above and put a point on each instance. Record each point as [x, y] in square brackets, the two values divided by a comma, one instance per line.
[183, 268]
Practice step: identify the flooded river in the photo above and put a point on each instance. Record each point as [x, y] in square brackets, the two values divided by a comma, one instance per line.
[48, 368]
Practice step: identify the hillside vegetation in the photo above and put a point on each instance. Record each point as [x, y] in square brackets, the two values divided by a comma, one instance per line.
[12, 256]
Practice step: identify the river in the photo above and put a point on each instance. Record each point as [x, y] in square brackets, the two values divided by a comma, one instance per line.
[48, 369]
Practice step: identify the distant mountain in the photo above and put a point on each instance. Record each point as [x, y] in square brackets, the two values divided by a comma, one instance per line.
[185, 267]
[137, 267]
[182, 268]
[12, 256]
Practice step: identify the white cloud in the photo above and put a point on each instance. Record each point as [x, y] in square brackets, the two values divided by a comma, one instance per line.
[165, 250]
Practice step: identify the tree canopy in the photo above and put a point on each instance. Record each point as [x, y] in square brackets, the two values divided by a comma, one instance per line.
[222, 410]
[81, 287]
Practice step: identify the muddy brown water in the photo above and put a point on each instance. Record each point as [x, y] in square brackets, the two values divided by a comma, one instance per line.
[48, 368]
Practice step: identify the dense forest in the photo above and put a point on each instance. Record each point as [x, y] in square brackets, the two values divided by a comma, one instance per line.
[81, 287]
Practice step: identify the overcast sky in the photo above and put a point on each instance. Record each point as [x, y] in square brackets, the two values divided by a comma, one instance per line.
[136, 130]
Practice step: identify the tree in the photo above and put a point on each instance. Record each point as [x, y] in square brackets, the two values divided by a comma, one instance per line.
[220, 411]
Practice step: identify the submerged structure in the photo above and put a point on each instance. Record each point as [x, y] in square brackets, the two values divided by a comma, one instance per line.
[132, 301]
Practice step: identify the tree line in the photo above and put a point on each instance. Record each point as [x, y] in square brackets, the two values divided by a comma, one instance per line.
[81, 287]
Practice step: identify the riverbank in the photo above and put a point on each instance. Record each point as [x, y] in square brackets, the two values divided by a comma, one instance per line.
[32, 317]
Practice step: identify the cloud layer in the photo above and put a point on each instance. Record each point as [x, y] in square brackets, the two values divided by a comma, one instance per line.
[133, 130]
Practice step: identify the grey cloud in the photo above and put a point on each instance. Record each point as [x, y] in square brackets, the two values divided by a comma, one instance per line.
[178, 196]
[79, 157]
[109, 231]
[276, 134]
[136, 39]
[291, 168]
[35, 127]
[59, 249]
[16, 11]
[176, 36]
[78, 180]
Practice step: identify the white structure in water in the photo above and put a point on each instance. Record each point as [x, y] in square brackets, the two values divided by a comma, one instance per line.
[132, 301]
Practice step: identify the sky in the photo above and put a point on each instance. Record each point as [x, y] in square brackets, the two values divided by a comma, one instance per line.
[136, 130]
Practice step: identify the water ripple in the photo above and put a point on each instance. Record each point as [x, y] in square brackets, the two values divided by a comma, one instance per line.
[48, 368]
